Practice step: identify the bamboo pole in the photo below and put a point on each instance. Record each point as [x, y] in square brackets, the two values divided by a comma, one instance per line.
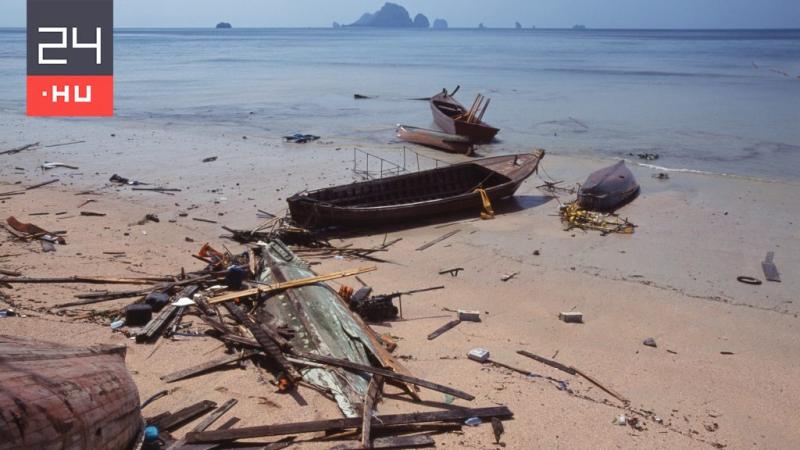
[483, 111]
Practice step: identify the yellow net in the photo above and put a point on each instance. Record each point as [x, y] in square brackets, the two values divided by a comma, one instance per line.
[573, 216]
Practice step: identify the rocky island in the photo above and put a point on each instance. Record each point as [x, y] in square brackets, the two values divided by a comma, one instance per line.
[224, 25]
[392, 15]
[440, 24]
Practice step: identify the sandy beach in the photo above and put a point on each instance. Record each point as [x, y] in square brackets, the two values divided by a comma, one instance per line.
[724, 373]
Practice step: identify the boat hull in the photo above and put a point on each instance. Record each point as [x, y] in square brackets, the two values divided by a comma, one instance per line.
[434, 139]
[608, 189]
[391, 201]
[57, 397]
[444, 109]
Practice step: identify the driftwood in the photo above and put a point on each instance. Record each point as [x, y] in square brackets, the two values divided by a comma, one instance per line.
[443, 329]
[379, 422]
[86, 280]
[18, 149]
[437, 240]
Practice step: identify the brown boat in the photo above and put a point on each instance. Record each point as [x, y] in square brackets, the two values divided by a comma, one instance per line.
[414, 196]
[450, 143]
[452, 117]
[58, 397]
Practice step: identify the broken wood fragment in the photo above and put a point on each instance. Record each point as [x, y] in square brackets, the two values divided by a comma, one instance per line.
[443, 329]
[437, 240]
[180, 417]
[269, 288]
[88, 280]
[370, 399]
[92, 214]
[19, 149]
[379, 422]
[388, 374]
[549, 362]
[206, 366]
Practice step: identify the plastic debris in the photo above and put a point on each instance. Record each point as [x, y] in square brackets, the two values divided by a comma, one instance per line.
[473, 422]
[650, 342]
[478, 354]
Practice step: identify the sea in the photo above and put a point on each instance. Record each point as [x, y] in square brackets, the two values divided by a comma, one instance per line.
[720, 101]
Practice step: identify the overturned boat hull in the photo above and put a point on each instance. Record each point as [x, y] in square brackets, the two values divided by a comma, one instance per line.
[414, 196]
[58, 397]
[430, 138]
[608, 188]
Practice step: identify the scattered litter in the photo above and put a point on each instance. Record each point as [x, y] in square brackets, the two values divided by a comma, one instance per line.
[122, 180]
[478, 354]
[748, 280]
[509, 276]
[620, 420]
[299, 138]
[117, 324]
[7, 313]
[574, 216]
[361, 97]
[726, 353]
[53, 165]
[92, 214]
[209, 159]
[473, 422]
[770, 271]
[453, 272]
[650, 342]
[184, 301]
[571, 317]
[661, 176]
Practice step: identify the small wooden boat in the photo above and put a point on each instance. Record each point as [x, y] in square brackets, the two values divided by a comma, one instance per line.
[448, 115]
[608, 188]
[448, 142]
[408, 197]
[58, 397]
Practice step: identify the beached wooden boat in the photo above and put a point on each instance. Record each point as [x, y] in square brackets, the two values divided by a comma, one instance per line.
[608, 188]
[446, 114]
[58, 397]
[405, 198]
[431, 138]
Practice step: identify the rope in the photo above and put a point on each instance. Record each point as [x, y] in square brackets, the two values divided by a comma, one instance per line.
[487, 212]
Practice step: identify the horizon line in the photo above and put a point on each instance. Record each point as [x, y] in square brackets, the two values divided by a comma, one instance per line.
[570, 28]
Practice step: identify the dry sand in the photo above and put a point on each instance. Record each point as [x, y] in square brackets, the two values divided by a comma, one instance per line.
[673, 280]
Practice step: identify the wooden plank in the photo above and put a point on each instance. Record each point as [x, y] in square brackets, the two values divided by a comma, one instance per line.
[269, 288]
[437, 240]
[370, 398]
[206, 366]
[85, 280]
[205, 423]
[388, 374]
[225, 426]
[379, 422]
[266, 342]
[443, 329]
[184, 415]
[156, 325]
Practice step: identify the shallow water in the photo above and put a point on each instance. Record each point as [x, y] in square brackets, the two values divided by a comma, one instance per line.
[718, 101]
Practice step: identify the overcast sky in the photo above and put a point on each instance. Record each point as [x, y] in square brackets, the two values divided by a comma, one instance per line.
[459, 13]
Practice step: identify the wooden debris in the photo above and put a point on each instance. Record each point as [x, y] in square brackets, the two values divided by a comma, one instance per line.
[206, 366]
[63, 144]
[395, 442]
[497, 429]
[92, 214]
[444, 328]
[269, 288]
[388, 374]
[200, 219]
[608, 390]
[86, 280]
[453, 272]
[19, 149]
[205, 423]
[571, 317]
[509, 276]
[379, 422]
[45, 183]
[437, 240]
[549, 362]
[370, 399]
[180, 417]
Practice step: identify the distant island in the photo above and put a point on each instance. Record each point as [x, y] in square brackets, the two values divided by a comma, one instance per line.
[224, 25]
[518, 26]
[440, 24]
[392, 15]
[579, 27]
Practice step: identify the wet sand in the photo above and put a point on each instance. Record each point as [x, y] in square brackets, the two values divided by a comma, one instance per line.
[673, 280]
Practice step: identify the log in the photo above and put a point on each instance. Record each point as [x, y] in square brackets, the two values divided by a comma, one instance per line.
[388, 374]
[379, 422]
[269, 288]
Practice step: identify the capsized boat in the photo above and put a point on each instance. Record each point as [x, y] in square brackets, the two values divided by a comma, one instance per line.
[54, 396]
[408, 197]
[431, 138]
[608, 188]
[452, 117]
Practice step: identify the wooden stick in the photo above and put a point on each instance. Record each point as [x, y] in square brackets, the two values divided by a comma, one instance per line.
[41, 184]
[471, 116]
[608, 390]
[480, 116]
[85, 280]
[437, 240]
[444, 328]
[18, 149]
[269, 288]
[157, 189]
[200, 368]
[370, 398]
[380, 422]
[548, 362]
[388, 374]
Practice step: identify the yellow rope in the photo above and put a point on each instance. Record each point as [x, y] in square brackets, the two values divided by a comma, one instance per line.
[573, 216]
[488, 212]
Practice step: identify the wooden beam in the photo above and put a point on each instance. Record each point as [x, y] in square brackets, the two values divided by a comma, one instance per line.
[370, 399]
[388, 374]
[453, 415]
[443, 329]
[184, 415]
[269, 288]
[205, 423]
[200, 368]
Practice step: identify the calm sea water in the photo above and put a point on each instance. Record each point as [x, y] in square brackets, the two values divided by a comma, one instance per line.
[719, 101]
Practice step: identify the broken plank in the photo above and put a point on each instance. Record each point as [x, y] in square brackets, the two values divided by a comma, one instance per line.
[269, 288]
[381, 421]
[443, 329]
[370, 398]
[388, 374]
[205, 423]
[89, 280]
[184, 415]
[437, 240]
[267, 343]
[19, 149]
[206, 366]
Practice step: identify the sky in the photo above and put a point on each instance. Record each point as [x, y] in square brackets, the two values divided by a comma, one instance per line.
[459, 13]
